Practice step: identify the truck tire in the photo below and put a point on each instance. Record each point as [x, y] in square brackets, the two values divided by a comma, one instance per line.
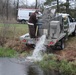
[62, 44]
[23, 21]
[74, 33]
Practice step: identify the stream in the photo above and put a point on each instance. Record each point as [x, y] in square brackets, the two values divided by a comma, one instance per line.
[26, 66]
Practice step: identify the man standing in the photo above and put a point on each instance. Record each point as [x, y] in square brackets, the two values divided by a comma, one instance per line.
[32, 24]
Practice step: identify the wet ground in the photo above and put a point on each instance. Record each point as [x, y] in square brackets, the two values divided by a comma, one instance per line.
[12, 66]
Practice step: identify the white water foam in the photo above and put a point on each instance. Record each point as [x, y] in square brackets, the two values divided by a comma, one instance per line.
[39, 50]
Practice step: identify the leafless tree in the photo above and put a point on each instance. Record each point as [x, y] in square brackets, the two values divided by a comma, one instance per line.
[67, 6]
[7, 5]
[36, 4]
[58, 6]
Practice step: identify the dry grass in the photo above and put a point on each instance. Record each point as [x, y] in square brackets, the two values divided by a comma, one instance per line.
[14, 29]
[9, 38]
[10, 33]
[69, 53]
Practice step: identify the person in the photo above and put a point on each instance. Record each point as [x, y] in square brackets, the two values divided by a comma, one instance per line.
[32, 24]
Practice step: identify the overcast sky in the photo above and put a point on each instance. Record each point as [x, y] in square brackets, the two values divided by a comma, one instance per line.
[33, 1]
[29, 2]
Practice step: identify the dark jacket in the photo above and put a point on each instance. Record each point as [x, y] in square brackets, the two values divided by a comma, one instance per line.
[33, 19]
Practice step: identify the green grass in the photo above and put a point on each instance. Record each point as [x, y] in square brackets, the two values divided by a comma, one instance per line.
[20, 29]
[11, 31]
[64, 67]
[7, 52]
[15, 30]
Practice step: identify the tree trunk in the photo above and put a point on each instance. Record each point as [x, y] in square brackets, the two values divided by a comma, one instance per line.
[58, 6]
[17, 8]
[36, 5]
[67, 6]
[7, 9]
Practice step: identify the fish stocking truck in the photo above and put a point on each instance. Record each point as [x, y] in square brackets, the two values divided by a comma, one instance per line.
[56, 27]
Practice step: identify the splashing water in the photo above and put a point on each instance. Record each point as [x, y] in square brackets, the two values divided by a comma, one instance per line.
[39, 50]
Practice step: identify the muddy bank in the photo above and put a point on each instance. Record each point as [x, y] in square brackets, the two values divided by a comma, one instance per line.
[69, 53]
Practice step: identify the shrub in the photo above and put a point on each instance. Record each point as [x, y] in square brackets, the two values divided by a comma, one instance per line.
[64, 67]
[7, 52]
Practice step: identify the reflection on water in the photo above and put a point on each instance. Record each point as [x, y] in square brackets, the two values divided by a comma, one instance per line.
[34, 70]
